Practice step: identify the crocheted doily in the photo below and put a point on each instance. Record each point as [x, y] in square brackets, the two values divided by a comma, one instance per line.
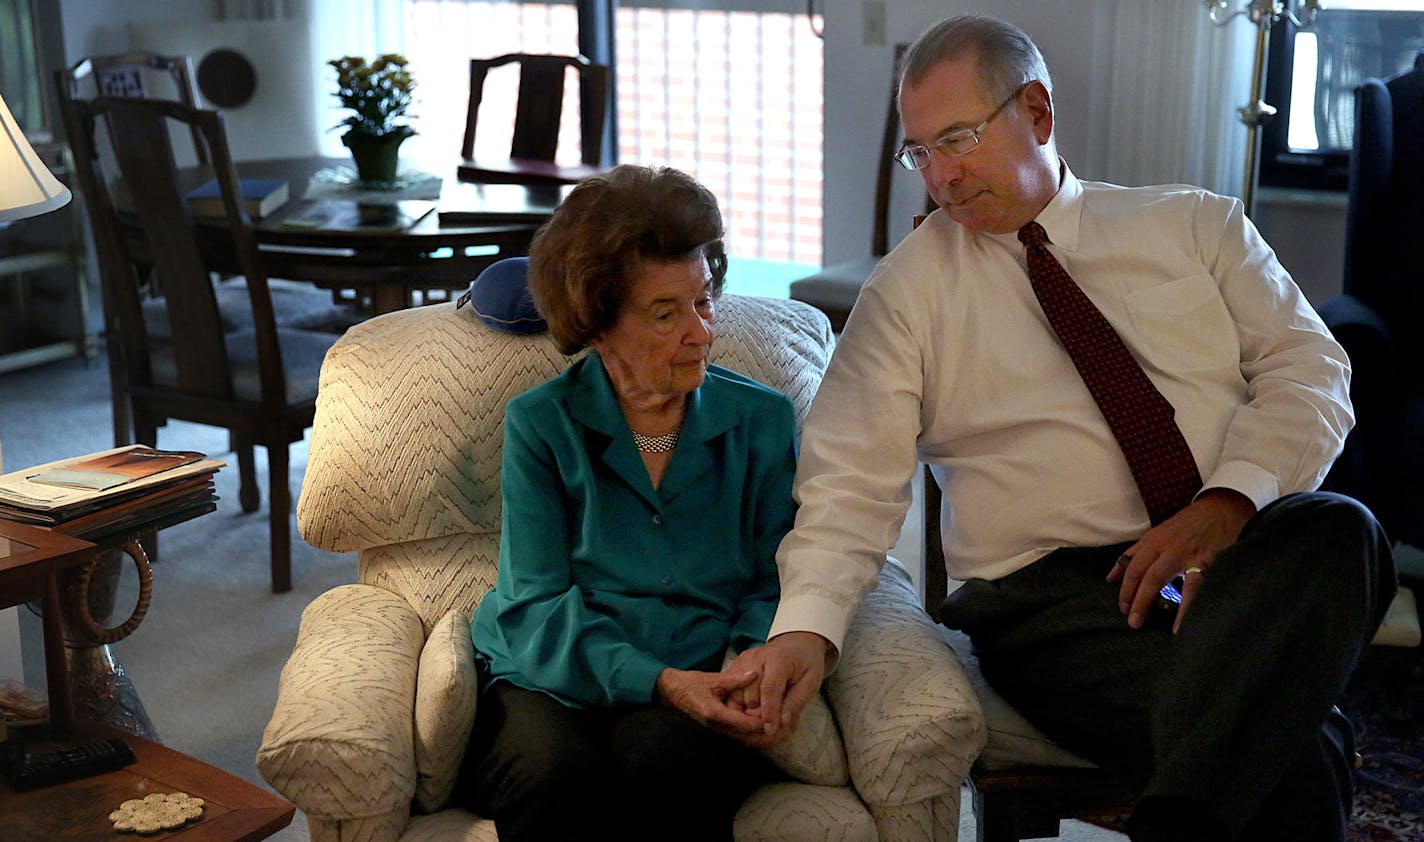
[157, 812]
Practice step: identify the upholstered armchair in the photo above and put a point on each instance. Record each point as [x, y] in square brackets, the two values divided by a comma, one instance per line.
[1378, 319]
[375, 705]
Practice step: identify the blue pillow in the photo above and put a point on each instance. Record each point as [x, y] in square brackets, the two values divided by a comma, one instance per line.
[500, 298]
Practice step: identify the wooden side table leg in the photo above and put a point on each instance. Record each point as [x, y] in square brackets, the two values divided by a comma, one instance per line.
[61, 704]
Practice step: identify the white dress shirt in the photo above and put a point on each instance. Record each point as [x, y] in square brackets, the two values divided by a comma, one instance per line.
[948, 358]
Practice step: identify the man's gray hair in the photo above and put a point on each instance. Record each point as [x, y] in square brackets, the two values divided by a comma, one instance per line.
[1007, 57]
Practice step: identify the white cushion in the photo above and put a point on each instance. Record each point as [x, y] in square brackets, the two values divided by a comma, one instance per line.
[1401, 623]
[445, 694]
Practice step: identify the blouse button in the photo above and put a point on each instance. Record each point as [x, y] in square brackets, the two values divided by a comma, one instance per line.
[657, 520]
[667, 580]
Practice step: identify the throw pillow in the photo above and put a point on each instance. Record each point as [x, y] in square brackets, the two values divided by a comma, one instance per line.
[815, 754]
[500, 298]
[445, 693]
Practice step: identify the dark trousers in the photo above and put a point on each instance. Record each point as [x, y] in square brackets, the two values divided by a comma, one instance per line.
[546, 771]
[1234, 714]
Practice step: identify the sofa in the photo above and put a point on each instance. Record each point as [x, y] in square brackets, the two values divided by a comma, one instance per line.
[375, 704]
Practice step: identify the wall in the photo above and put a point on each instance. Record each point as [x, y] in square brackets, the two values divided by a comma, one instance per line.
[1307, 230]
[96, 27]
[1076, 40]
[857, 83]
[280, 51]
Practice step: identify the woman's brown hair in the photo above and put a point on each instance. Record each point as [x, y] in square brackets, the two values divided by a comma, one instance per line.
[583, 261]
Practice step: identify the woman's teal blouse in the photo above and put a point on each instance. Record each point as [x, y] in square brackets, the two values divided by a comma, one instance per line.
[605, 581]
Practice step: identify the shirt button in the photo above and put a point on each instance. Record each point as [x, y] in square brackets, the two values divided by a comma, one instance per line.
[657, 520]
[667, 580]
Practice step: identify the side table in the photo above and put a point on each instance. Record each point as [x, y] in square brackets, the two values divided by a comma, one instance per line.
[79, 591]
[31, 561]
[78, 811]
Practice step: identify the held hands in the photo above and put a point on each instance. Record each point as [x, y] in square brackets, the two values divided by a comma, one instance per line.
[705, 696]
[756, 699]
[1185, 543]
[789, 669]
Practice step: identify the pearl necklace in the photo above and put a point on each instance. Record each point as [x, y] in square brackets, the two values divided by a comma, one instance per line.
[657, 444]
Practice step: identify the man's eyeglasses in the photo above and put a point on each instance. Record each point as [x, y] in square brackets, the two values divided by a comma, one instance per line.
[916, 156]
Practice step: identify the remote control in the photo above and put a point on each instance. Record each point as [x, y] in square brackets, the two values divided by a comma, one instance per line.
[46, 768]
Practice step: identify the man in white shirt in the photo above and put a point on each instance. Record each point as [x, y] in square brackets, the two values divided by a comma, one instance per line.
[1221, 707]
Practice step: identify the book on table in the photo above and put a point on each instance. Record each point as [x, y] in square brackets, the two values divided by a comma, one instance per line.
[349, 215]
[31, 495]
[260, 197]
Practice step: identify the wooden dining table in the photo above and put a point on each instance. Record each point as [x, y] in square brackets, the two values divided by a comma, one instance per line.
[472, 226]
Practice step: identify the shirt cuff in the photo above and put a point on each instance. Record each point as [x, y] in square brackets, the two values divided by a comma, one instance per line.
[816, 614]
[1259, 485]
[636, 679]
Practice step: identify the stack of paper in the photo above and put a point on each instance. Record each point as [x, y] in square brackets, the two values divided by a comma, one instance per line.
[102, 493]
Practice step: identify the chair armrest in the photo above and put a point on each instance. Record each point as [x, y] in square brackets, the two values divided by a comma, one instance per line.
[1377, 376]
[911, 722]
[340, 742]
[1346, 313]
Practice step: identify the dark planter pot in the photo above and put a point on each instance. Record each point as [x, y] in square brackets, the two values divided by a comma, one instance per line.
[376, 156]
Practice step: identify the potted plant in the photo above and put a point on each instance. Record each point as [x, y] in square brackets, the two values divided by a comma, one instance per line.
[378, 93]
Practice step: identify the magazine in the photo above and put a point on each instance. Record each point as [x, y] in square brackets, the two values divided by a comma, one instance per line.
[18, 492]
[117, 468]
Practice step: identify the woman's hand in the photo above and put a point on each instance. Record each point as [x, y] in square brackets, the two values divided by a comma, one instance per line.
[705, 696]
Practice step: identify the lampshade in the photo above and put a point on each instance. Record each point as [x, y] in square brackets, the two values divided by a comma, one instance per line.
[27, 187]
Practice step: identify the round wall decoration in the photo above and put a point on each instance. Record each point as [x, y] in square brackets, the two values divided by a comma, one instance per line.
[226, 78]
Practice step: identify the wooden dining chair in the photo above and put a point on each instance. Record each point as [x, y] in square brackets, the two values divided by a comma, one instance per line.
[834, 289]
[131, 74]
[260, 382]
[537, 117]
[1022, 783]
[145, 75]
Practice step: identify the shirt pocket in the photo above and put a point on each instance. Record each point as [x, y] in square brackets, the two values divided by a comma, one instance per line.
[1183, 325]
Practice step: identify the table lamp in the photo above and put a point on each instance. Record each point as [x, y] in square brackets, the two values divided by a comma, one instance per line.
[27, 187]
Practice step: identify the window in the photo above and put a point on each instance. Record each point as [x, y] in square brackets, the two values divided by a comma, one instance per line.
[728, 90]
[19, 80]
[732, 95]
[1311, 78]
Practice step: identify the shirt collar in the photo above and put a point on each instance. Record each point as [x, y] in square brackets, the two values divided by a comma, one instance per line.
[1063, 213]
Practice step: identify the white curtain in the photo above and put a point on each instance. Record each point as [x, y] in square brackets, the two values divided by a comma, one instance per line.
[1173, 84]
[341, 28]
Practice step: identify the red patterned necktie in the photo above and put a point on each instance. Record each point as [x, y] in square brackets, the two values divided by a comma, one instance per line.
[1140, 418]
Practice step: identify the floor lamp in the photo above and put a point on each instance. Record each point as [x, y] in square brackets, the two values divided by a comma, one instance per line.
[1264, 14]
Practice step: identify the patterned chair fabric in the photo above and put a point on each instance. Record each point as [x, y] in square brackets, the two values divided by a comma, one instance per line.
[404, 471]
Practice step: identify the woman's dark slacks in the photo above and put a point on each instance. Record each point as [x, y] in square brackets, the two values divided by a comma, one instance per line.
[546, 771]
[1234, 714]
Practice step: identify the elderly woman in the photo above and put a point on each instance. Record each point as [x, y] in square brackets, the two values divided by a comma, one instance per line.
[645, 492]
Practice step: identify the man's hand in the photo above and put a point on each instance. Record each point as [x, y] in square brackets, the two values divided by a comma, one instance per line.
[1187, 542]
[790, 668]
[703, 696]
